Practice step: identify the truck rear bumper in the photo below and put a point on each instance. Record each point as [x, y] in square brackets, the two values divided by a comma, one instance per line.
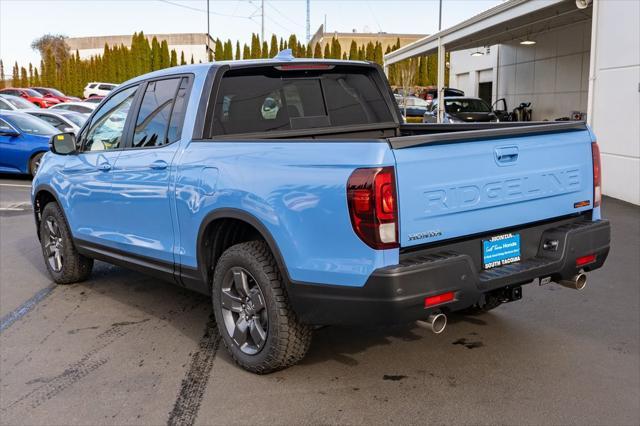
[396, 294]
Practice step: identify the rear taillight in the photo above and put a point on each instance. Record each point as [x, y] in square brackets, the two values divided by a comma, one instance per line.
[597, 175]
[371, 194]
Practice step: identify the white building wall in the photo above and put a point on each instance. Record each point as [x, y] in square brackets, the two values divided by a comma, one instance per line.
[198, 51]
[616, 96]
[467, 71]
[551, 74]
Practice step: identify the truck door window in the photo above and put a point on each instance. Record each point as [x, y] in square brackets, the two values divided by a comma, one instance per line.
[155, 112]
[107, 124]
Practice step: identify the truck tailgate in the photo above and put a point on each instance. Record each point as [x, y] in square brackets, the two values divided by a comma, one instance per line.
[460, 188]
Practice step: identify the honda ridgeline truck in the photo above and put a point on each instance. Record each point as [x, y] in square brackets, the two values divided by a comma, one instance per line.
[291, 192]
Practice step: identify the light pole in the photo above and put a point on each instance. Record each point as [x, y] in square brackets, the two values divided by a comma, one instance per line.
[208, 36]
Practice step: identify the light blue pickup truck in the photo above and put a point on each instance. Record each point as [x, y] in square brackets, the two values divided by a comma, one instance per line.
[291, 192]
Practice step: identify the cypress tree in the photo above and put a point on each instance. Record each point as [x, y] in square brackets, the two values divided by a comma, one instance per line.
[293, 45]
[353, 50]
[317, 51]
[165, 58]
[218, 50]
[281, 45]
[2, 82]
[192, 61]
[336, 49]
[369, 52]
[255, 47]
[228, 50]
[327, 51]
[377, 53]
[182, 61]
[155, 54]
[36, 78]
[15, 75]
[174, 58]
[237, 50]
[273, 49]
[24, 79]
[246, 52]
[265, 50]
[31, 82]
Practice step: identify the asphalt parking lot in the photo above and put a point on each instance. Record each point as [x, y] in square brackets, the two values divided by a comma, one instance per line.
[123, 348]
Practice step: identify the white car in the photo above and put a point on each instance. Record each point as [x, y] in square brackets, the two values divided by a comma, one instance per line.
[65, 121]
[98, 89]
[81, 107]
[13, 103]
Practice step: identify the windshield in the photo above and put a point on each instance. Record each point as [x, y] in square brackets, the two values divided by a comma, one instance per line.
[416, 102]
[19, 103]
[55, 92]
[466, 105]
[76, 119]
[31, 125]
[33, 93]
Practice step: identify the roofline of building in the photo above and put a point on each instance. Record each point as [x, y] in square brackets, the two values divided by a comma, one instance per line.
[431, 41]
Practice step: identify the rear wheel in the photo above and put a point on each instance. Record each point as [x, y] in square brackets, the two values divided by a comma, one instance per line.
[258, 326]
[34, 163]
[64, 263]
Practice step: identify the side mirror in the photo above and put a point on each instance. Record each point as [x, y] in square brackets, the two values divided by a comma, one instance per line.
[9, 132]
[63, 143]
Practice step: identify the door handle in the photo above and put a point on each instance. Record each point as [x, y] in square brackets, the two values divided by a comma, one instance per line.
[159, 165]
[105, 167]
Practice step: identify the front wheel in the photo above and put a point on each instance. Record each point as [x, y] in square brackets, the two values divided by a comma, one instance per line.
[258, 326]
[64, 263]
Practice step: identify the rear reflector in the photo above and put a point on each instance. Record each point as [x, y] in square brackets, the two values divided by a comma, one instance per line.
[585, 260]
[438, 299]
[597, 174]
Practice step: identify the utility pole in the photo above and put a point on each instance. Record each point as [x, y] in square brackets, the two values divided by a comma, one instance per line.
[308, 21]
[440, 17]
[208, 36]
[262, 15]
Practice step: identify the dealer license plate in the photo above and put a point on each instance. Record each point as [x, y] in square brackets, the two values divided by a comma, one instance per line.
[500, 250]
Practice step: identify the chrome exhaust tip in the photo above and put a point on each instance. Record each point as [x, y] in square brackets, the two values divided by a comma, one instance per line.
[435, 322]
[577, 282]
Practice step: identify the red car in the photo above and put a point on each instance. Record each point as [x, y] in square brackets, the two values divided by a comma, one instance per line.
[48, 92]
[31, 96]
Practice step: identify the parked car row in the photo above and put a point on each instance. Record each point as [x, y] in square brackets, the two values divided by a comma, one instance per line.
[25, 132]
[46, 97]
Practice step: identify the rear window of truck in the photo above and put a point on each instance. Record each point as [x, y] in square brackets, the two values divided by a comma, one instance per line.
[269, 99]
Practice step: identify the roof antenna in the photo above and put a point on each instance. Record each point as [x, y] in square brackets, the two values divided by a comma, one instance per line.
[284, 55]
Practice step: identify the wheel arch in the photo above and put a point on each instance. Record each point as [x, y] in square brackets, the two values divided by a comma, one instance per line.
[247, 227]
[44, 195]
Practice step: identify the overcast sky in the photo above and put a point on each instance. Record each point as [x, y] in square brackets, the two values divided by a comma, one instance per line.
[22, 21]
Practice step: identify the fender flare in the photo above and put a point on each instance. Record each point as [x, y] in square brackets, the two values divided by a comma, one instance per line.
[233, 213]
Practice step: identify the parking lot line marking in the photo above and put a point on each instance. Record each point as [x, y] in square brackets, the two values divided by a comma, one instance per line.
[15, 185]
[24, 309]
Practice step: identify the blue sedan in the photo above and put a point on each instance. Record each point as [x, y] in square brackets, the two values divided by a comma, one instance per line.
[23, 141]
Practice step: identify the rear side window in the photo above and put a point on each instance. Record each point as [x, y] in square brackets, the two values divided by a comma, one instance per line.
[266, 100]
[106, 87]
[153, 126]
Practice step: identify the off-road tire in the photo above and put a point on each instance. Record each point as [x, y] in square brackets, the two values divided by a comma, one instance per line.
[75, 267]
[287, 339]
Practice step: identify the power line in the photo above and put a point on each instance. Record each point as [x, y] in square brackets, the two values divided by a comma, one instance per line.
[184, 6]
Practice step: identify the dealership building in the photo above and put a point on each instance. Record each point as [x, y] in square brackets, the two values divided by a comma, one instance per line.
[570, 59]
[191, 44]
